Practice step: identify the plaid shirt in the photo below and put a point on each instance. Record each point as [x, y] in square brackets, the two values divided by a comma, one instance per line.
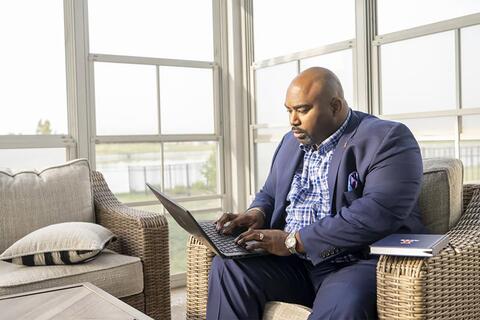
[309, 198]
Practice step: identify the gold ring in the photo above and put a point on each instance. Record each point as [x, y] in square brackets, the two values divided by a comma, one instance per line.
[261, 236]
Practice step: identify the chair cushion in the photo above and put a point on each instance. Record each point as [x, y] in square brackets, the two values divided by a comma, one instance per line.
[276, 310]
[61, 243]
[117, 274]
[441, 198]
[30, 200]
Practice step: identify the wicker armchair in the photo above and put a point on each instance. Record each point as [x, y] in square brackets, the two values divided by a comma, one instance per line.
[443, 287]
[141, 234]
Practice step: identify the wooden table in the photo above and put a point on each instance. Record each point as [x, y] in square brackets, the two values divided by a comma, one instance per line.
[74, 302]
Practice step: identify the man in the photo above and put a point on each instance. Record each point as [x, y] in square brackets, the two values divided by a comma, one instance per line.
[338, 182]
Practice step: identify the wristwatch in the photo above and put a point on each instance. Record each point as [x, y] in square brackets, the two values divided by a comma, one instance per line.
[291, 242]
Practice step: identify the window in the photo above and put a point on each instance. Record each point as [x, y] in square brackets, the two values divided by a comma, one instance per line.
[186, 100]
[341, 63]
[271, 86]
[470, 66]
[427, 75]
[180, 29]
[392, 15]
[31, 158]
[33, 96]
[125, 99]
[298, 25]
[418, 74]
[470, 148]
[286, 43]
[157, 117]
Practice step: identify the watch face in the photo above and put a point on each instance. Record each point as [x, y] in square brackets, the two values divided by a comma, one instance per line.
[290, 242]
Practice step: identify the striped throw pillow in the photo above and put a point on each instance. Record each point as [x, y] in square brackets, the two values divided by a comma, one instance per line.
[63, 243]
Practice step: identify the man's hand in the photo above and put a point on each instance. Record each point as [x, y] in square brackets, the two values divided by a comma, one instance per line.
[228, 222]
[268, 239]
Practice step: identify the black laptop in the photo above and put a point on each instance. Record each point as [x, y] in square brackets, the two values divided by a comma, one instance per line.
[222, 245]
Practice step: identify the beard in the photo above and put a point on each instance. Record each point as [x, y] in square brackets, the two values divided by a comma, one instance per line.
[302, 136]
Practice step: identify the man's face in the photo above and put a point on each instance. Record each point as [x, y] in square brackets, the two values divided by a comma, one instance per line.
[310, 116]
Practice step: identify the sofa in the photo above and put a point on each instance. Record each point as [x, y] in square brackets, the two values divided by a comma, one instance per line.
[446, 286]
[134, 268]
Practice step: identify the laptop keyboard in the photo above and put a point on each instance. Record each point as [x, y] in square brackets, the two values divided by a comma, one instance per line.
[224, 243]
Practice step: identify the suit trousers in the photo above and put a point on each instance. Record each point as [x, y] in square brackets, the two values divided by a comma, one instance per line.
[239, 289]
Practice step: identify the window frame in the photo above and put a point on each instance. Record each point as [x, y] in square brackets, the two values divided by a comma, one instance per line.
[67, 141]
[220, 136]
[455, 24]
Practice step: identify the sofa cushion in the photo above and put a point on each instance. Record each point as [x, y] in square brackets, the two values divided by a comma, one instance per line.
[117, 274]
[30, 200]
[61, 243]
[276, 310]
[441, 198]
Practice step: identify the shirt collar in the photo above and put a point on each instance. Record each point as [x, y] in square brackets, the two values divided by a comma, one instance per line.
[329, 143]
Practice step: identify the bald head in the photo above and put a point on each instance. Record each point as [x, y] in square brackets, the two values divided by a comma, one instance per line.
[320, 82]
[316, 105]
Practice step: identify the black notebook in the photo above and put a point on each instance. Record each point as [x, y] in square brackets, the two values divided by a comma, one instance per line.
[410, 245]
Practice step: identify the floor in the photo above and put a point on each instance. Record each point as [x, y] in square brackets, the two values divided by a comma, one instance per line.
[179, 299]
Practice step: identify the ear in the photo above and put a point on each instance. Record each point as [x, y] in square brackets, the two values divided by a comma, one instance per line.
[336, 105]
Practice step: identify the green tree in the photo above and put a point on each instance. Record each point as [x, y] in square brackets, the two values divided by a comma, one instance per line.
[209, 171]
[43, 127]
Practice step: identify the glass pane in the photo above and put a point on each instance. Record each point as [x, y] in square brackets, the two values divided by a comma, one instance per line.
[33, 95]
[127, 166]
[274, 134]
[180, 29]
[470, 67]
[392, 14]
[263, 160]
[125, 99]
[178, 237]
[470, 156]
[470, 127]
[437, 149]
[186, 100]
[31, 159]
[190, 168]
[470, 148]
[271, 87]
[428, 129]
[266, 141]
[418, 74]
[282, 27]
[341, 64]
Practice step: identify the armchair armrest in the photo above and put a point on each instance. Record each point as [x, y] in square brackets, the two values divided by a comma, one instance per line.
[199, 261]
[441, 287]
[141, 234]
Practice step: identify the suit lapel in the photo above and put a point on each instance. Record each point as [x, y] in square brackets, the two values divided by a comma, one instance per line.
[338, 154]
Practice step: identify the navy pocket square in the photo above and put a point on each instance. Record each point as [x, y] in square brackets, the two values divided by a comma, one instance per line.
[353, 181]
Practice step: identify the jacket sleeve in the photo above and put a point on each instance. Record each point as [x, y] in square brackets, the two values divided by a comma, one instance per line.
[265, 198]
[391, 190]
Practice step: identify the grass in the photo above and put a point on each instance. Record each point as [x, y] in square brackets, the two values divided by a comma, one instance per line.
[178, 242]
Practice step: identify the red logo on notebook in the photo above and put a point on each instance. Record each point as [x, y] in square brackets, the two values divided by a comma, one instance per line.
[408, 241]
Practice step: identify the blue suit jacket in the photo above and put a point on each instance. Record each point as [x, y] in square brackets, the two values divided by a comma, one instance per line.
[387, 159]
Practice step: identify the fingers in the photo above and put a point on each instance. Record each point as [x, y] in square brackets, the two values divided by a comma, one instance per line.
[253, 245]
[251, 235]
[224, 219]
[228, 222]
